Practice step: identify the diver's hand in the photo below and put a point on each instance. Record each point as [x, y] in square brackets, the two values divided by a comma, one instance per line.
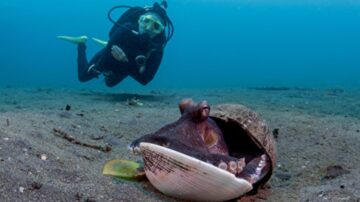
[118, 54]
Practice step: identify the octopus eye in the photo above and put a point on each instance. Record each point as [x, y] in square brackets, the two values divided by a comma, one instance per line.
[205, 111]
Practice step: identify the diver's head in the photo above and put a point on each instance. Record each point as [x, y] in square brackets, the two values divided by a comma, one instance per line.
[151, 23]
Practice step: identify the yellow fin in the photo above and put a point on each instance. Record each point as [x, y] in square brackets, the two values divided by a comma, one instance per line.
[73, 39]
[99, 41]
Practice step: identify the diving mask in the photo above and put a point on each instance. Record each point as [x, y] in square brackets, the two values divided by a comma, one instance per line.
[150, 23]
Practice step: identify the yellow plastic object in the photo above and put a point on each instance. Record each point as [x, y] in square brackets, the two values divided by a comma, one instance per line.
[124, 169]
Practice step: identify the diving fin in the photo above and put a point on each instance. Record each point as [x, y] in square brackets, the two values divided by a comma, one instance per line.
[99, 41]
[74, 39]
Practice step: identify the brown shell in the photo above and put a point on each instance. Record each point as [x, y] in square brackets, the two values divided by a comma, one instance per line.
[255, 127]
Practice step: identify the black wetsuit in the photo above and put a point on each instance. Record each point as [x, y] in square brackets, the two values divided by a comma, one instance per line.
[133, 45]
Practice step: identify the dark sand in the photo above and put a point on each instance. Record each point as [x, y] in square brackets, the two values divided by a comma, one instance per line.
[318, 141]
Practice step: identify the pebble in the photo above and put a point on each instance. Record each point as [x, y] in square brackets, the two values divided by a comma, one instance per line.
[6, 139]
[35, 185]
[67, 107]
[43, 157]
[275, 133]
[21, 189]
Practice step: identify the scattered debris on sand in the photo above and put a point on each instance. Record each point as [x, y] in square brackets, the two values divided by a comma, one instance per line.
[64, 135]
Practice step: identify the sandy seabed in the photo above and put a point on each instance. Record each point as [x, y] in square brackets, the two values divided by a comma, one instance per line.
[317, 133]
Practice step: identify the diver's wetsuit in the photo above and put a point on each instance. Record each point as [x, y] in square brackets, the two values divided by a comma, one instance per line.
[133, 45]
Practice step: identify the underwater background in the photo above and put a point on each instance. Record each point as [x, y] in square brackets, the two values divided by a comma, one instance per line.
[216, 44]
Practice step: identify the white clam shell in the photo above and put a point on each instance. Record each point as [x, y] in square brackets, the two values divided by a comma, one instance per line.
[182, 176]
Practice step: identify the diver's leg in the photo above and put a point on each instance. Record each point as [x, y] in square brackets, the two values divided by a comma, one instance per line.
[83, 66]
[94, 64]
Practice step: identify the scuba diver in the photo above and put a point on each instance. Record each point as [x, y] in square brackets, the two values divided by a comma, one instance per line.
[135, 47]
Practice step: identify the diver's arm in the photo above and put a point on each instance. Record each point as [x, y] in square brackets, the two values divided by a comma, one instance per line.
[150, 68]
[107, 60]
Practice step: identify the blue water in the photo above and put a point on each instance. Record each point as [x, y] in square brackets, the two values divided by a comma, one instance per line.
[217, 43]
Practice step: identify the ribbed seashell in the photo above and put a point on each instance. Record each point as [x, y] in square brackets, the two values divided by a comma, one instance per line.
[182, 176]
